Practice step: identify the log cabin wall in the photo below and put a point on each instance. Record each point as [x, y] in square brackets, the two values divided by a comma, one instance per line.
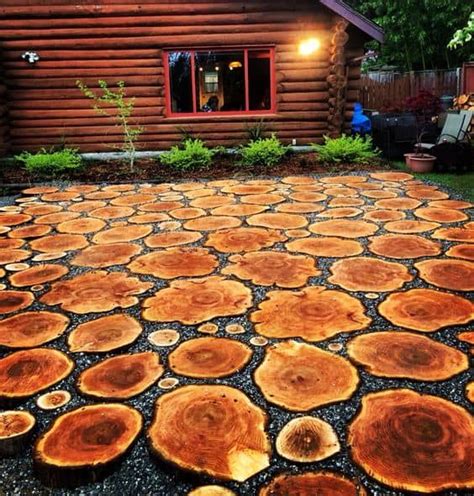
[4, 121]
[125, 39]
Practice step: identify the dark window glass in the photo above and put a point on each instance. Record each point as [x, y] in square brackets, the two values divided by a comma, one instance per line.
[259, 80]
[180, 82]
[220, 81]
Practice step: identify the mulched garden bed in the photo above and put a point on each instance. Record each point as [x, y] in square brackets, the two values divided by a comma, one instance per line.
[150, 170]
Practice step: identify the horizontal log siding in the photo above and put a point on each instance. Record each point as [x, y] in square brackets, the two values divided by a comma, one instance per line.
[124, 40]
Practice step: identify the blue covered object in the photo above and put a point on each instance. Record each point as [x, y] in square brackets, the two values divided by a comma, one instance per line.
[360, 123]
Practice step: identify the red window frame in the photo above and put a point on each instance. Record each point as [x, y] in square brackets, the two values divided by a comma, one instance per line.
[195, 113]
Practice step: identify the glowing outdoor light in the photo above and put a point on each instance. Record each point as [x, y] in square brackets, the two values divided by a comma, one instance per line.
[307, 47]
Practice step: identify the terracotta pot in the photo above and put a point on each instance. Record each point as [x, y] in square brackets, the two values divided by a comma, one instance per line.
[420, 163]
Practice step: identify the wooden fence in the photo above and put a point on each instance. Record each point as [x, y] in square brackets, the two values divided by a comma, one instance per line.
[384, 90]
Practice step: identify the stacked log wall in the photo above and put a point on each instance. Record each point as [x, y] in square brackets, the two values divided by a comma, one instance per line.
[125, 40]
[4, 121]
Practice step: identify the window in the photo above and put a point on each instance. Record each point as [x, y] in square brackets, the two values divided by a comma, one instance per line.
[220, 81]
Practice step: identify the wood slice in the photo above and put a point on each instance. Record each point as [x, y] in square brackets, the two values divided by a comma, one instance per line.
[199, 193]
[102, 434]
[414, 442]
[264, 199]
[194, 301]
[61, 196]
[81, 226]
[214, 430]
[239, 210]
[87, 206]
[27, 372]
[169, 239]
[268, 268]
[406, 355]
[384, 215]
[56, 218]
[111, 212]
[454, 204]
[121, 377]
[82, 188]
[59, 242]
[12, 301]
[461, 234]
[457, 275]
[392, 176]
[248, 189]
[53, 400]
[244, 239]
[187, 213]
[426, 310]
[444, 215]
[344, 228]
[300, 377]
[120, 188]
[104, 334]
[410, 226]
[378, 194]
[462, 251]
[299, 208]
[312, 484]
[101, 195]
[148, 218]
[215, 201]
[209, 357]
[340, 191]
[8, 256]
[162, 206]
[26, 232]
[308, 196]
[307, 440]
[343, 179]
[16, 427]
[175, 262]
[38, 274]
[30, 329]
[467, 337]
[314, 314]
[326, 247]
[189, 186]
[39, 190]
[101, 256]
[164, 337]
[470, 391]
[398, 204]
[369, 274]
[13, 219]
[212, 223]
[97, 291]
[133, 199]
[122, 234]
[346, 202]
[402, 246]
[340, 212]
[426, 194]
[278, 221]
[211, 491]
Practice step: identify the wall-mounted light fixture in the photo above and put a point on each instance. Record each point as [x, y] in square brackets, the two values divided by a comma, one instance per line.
[30, 57]
[308, 47]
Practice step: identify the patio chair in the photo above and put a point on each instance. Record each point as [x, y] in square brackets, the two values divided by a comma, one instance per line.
[455, 129]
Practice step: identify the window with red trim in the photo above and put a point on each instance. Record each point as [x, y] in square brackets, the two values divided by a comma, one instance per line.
[221, 81]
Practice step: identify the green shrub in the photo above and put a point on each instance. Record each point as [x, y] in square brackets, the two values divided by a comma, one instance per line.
[346, 149]
[256, 130]
[191, 154]
[263, 151]
[50, 162]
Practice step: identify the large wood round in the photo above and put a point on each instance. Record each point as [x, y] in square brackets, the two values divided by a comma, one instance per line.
[198, 300]
[460, 234]
[212, 223]
[444, 215]
[369, 274]
[299, 208]
[312, 484]
[456, 204]
[209, 357]
[133, 199]
[314, 314]
[109, 212]
[214, 430]
[104, 334]
[97, 291]
[263, 199]
[239, 210]
[308, 196]
[175, 262]
[344, 228]
[12, 301]
[122, 234]
[244, 239]
[401, 246]
[169, 239]
[462, 251]
[81, 226]
[11, 244]
[59, 243]
[101, 256]
[414, 442]
[8, 256]
[121, 377]
[457, 275]
[300, 377]
[32, 231]
[56, 218]
[406, 355]
[78, 446]
[13, 219]
[30, 329]
[410, 226]
[384, 215]
[248, 189]
[16, 427]
[278, 221]
[214, 201]
[425, 193]
[326, 247]
[267, 268]
[306, 440]
[39, 274]
[426, 310]
[391, 176]
[398, 204]
[162, 206]
[27, 372]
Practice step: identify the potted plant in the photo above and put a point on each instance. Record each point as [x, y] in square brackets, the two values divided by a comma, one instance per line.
[420, 161]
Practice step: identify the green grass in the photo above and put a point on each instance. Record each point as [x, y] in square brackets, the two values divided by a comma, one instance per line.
[462, 184]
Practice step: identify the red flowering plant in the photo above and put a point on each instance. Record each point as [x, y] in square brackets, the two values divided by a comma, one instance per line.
[425, 105]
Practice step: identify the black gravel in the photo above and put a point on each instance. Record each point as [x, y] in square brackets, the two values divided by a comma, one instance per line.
[141, 474]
